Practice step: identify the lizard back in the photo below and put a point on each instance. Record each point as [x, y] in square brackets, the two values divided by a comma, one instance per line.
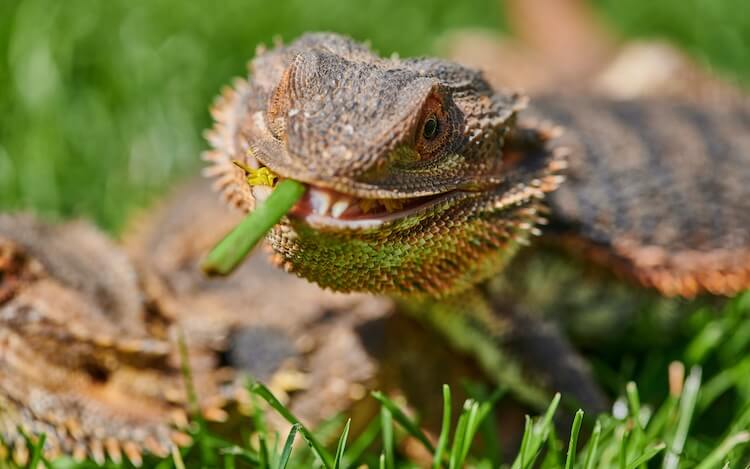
[658, 189]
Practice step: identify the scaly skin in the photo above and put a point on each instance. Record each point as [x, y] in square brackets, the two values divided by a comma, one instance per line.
[88, 346]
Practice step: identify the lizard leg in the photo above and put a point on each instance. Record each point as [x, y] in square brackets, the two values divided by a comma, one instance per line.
[545, 352]
[517, 350]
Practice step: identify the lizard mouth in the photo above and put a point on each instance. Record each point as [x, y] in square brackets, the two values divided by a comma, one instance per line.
[323, 207]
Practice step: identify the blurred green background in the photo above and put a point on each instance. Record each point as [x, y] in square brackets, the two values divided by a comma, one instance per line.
[103, 103]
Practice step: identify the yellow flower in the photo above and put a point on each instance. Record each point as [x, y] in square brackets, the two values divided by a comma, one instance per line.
[258, 177]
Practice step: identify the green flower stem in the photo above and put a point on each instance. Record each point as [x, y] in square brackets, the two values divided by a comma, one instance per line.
[232, 250]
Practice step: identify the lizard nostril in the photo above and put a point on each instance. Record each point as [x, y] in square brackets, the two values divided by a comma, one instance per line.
[97, 372]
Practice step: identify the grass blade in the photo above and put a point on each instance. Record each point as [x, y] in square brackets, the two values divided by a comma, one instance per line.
[398, 415]
[573, 443]
[314, 444]
[363, 441]
[719, 453]
[535, 436]
[591, 456]
[36, 455]
[623, 455]
[687, 407]
[207, 455]
[523, 458]
[662, 418]
[177, 458]
[547, 421]
[637, 442]
[229, 462]
[265, 460]
[647, 455]
[634, 402]
[287, 451]
[342, 445]
[472, 425]
[386, 423]
[458, 440]
[258, 416]
[235, 246]
[445, 428]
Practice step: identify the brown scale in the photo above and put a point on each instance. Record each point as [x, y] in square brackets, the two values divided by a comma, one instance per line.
[15, 269]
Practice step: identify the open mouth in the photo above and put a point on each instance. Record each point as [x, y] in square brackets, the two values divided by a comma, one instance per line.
[326, 207]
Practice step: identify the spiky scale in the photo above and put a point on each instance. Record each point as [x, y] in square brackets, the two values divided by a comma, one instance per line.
[133, 453]
[181, 439]
[96, 450]
[113, 450]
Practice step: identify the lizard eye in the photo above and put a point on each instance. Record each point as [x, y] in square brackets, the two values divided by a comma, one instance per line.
[434, 129]
[431, 127]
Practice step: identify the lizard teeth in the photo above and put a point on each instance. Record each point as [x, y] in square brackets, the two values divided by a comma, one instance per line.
[320, 201]
[340, 207]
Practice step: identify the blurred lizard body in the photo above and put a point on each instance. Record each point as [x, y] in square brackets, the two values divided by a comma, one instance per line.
[88, 343]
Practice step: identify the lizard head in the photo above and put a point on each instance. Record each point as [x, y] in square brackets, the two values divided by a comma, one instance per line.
[419, 179]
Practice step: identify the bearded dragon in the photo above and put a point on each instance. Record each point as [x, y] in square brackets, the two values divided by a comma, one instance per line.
[422, 182]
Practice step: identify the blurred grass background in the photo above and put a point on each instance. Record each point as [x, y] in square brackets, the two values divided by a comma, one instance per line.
[102, 103]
